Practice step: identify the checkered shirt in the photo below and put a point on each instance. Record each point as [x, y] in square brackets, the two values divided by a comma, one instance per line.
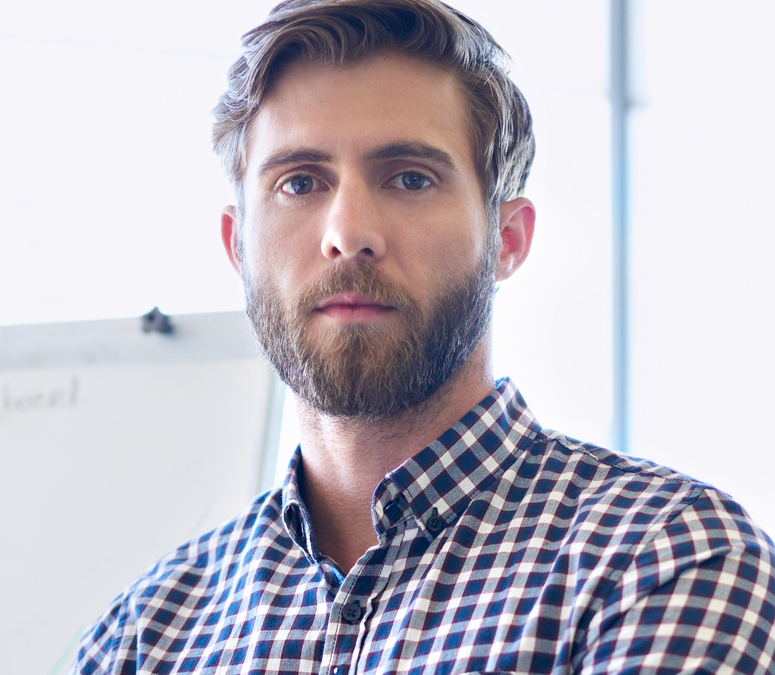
[503, 548]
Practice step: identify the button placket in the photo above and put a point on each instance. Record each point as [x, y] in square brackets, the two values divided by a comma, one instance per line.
[351, 610]
[346, 617]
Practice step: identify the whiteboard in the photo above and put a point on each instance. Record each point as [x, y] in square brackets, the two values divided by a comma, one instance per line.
[115, 447]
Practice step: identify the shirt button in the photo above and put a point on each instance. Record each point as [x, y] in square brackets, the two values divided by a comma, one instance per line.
[339, 670]
[393, 510]
[434, 523]
[352, 612]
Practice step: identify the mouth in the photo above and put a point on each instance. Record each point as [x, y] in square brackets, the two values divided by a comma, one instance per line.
[352, 307]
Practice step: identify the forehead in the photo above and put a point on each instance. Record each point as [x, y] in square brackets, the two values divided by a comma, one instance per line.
[354, 107]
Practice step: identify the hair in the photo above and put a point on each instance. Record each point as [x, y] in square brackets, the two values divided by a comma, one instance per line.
[343, 32]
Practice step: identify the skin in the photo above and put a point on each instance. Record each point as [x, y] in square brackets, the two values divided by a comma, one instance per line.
[356, 139]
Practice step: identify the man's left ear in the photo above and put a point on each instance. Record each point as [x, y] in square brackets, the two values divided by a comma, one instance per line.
[517, 222]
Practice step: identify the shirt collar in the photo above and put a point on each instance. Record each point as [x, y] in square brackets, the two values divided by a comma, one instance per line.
[295, 517]
[439, 481]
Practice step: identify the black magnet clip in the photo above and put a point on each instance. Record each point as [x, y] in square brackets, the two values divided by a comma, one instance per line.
[156, 322]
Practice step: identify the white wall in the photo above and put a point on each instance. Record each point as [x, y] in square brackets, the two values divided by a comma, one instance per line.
[703, 301]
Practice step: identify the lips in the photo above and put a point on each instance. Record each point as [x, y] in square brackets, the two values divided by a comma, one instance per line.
[351, 300]
[352, 307]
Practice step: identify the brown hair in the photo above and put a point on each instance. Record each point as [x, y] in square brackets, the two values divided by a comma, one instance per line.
[346, 31]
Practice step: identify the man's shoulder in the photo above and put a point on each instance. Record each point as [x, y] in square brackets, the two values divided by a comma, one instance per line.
[203, 559]
[601, 471]
[598, 495]
[611, 462]
[194, 574]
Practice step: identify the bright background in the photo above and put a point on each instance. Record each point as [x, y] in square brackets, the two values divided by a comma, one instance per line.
[110, 200]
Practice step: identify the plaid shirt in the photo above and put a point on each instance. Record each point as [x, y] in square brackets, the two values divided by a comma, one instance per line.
[502, 548]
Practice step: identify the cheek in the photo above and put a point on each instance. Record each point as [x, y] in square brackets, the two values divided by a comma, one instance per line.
[276, 253]
[460, 239]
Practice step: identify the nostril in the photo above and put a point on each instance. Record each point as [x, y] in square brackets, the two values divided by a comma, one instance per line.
[368, 251]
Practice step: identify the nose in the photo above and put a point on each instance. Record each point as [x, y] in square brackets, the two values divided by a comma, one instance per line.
[353, 225]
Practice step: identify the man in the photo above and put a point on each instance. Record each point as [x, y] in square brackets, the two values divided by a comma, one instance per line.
[427, 523]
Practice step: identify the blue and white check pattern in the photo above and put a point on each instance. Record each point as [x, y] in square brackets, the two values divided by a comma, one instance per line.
[503, 548]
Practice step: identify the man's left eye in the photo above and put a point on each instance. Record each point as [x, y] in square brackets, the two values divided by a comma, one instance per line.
[410, 180]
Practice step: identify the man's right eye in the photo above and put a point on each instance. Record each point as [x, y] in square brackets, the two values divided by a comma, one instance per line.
[298, 185]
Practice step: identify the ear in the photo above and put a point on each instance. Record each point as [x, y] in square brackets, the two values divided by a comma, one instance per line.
[517, 222]
[230, 237]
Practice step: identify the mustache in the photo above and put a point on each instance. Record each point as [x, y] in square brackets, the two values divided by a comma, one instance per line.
[361, 278]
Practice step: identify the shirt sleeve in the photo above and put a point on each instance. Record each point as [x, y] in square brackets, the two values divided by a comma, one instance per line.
[698, 598]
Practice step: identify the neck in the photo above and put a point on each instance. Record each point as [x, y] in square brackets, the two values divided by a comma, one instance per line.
[345, 459]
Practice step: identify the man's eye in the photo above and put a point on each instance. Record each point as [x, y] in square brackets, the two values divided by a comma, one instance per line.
[410, 180]
[298, 185]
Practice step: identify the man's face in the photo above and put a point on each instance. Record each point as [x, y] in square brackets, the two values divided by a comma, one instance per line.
[368, 259]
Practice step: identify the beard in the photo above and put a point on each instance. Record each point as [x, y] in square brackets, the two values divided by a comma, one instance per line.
[369, 372]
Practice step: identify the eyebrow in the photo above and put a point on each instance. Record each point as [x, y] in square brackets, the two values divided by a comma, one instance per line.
[283, 158]
[400, 150]
[413, 150]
